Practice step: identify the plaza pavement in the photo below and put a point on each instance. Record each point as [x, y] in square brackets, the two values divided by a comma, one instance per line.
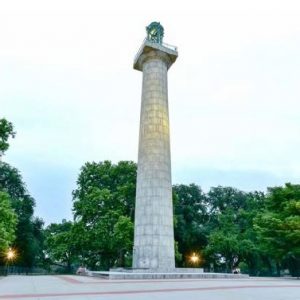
[80, 287]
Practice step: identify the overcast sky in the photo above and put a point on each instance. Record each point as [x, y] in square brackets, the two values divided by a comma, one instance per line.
[68, 86]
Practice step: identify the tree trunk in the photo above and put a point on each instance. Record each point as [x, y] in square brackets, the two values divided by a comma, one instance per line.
[278, 269]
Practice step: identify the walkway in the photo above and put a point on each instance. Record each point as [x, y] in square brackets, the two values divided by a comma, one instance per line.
[79, 287]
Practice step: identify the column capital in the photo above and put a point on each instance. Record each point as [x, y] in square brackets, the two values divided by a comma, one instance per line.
[150, 50]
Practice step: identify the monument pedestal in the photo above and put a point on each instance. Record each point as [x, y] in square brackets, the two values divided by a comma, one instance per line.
[177, 273]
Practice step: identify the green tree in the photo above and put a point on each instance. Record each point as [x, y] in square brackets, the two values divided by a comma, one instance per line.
[232, 238]
[220, 198]
[59, 244]
[6, 131]
[279, 227]
[104, 211]
[123, 240]
[190, 218]
[8, 222]
[28, 240]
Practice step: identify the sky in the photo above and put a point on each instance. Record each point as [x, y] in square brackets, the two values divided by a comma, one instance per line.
[67, 84]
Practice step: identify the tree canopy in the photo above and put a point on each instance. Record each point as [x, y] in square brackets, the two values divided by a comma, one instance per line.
[278, 226]
[8, 222]
[28, 235]
[104, 211]
[226, 227]
[190, 217]
[6, 131]
[26, 229]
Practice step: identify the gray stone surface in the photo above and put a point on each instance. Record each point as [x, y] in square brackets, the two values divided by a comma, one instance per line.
[81, 287]
[154, 232]
[176, 270]
[165, 275]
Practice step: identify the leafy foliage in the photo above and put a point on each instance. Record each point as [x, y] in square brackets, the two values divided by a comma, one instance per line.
[8, 222]
[232, 238]
[27, 230]
[103, 211]
[28, 240]
[190, 214]
[59, 244]
[226, 227]
[6, 131]
[279, 226]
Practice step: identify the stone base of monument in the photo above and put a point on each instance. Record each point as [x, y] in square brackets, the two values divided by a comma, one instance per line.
[177, 273]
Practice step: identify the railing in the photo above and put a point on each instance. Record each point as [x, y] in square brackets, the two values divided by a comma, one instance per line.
[171, 47]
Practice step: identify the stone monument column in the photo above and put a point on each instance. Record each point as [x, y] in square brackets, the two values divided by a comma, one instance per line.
[153, 230]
